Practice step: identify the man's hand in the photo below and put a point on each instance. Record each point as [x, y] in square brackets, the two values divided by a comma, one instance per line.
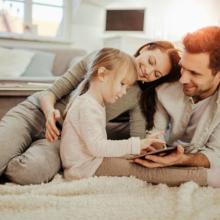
[153, 161]
[52, 132]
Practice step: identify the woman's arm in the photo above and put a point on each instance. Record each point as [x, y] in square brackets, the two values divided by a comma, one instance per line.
[61, 87]
[71, 79]
[129, 103]
[52, 115]
[47, 102]
[137, 122]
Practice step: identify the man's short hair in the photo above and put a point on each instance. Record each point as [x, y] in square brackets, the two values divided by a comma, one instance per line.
[205, 40]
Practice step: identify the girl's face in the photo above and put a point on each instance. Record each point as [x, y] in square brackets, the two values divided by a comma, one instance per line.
[152, 64]
[116, 83]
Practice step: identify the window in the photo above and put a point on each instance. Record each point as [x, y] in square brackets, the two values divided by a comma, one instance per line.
[11, 16]
[36, 18]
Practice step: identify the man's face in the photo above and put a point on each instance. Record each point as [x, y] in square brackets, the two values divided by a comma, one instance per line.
[196, 77]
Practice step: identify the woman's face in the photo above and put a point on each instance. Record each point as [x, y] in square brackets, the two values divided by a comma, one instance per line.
[152, 64]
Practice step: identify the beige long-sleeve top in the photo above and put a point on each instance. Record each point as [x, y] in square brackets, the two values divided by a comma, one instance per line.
[175, 109]
[84, 141]
[129, 102]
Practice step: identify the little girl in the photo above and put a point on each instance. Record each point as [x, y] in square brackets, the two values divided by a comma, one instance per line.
[84, 142]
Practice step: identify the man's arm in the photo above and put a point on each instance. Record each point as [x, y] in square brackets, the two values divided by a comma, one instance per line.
[195, 160]
[211, 148]
[176, 158]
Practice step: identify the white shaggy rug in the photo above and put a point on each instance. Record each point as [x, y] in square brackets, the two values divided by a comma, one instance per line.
[116, 198]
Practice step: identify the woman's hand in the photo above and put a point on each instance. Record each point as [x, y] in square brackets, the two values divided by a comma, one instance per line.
[52, 132]
[52, 115]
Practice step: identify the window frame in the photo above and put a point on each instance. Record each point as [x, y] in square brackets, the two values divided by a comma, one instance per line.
[66, 34]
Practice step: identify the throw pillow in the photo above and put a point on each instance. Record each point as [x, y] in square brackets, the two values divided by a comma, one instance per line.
[13, 62]
[40, 65]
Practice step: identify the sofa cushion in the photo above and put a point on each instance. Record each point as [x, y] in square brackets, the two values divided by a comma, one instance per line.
[40, 65]
[63, 58]
[13, 62]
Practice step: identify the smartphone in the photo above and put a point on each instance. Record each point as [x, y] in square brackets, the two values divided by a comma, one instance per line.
[160, 152]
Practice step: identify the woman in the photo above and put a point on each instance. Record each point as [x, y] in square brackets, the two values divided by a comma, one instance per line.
[157, 62]
[27, 158]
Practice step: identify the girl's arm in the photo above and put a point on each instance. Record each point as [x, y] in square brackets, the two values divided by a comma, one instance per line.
[92, 131]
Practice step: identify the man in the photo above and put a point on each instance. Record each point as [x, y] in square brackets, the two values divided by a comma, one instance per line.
[189, 110]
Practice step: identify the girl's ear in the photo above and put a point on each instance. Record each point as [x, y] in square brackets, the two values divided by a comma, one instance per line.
[101, 73]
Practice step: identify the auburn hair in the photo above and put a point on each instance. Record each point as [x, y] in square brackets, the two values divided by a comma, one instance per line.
[205, 40]
[148, 95]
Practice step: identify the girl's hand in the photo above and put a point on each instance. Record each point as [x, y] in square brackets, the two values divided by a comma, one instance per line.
[147, 150]
[52, 132]
[153, 142]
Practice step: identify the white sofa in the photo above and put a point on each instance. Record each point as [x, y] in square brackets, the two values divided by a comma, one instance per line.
[16, 89]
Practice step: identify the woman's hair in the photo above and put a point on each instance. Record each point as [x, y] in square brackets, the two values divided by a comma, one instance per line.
[110, 59]
[148, 96]
[205, 40]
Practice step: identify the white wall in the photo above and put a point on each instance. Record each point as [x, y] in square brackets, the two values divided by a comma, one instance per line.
[87, 26]
[171, 19]
[165, 19]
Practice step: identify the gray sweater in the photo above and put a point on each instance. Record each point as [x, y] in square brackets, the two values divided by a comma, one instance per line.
[62, 88]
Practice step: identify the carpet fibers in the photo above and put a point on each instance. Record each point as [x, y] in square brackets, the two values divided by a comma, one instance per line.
[110, 198]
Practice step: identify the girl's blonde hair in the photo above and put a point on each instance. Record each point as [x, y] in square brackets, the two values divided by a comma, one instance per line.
[110, 58]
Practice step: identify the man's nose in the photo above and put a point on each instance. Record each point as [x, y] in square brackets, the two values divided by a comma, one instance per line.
[185, 78]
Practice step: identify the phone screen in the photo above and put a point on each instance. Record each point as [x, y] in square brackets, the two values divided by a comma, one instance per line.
[160, 152]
